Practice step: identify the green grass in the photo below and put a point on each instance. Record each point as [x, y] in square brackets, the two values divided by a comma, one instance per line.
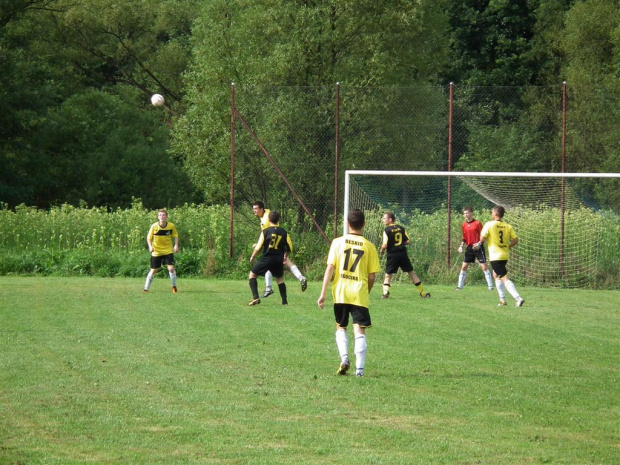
[94, 371]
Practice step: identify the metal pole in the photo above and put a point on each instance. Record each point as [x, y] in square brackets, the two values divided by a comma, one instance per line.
[232, 168]
[563, 188]
[450, 114]
[336, 157]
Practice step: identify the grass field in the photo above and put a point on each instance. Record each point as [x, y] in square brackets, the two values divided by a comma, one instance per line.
[94, 371]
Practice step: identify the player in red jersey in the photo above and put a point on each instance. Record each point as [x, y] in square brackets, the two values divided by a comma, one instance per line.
[471, 235]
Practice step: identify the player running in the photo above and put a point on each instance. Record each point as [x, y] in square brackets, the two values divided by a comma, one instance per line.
[501, 238]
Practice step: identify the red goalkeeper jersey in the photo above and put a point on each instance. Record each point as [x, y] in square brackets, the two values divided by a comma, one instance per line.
[471, 231]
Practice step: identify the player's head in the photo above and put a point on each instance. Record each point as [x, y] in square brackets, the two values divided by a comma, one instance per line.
[388, 218]
[498, 212]
[258, 208]
[274, 217]
[468, 212]
[162, 215]
[356, 219]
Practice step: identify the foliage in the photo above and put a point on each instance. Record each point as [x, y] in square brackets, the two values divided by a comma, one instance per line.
[70, 241]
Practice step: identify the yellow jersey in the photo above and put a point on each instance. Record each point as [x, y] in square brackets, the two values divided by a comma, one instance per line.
[162, 238]
[498, 236]
[354, 258]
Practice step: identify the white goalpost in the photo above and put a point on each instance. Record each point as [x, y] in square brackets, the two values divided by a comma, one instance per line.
[555, 216]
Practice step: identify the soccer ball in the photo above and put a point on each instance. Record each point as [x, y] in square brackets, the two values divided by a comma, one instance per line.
[157, 100]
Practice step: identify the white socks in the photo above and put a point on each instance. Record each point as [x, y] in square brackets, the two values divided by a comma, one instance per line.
[149, 281]
[489, 278]
[296, 272]
[462, 276]
[342, 342]
[510, 287]
[268, 278]
[501, 290]
[360, 352]
[173, 278]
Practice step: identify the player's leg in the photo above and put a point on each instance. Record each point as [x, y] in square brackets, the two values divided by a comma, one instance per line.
[512, 290]
[254, 289]
[482, 261]
[462, 276]
[341, 314]
[499, 270]
[361, 321]
[298, 274]
[361, 348]
[277, 269]
[149, 279]
[268, 281]
[168, 260]
[386, 286]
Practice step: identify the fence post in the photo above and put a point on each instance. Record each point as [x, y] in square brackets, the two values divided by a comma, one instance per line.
[336, 157]
[232, 169]
[450, 113]
[563, 188]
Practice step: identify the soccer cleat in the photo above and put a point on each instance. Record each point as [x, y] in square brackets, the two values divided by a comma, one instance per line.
[426, 296]
[174, 289]
[359, 374]
[386, 296]
[304, 283]
[502, 303]
[145, 291]
[344, 367]
[254, 302]
[520, 302]
[267, 293]
[285, 303]
[459, 289]
[491, 288]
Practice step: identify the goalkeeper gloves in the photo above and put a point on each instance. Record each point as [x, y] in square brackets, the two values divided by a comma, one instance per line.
[477, 246]
[460, 249]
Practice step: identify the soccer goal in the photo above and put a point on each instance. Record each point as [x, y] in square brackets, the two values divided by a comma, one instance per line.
[556, 216]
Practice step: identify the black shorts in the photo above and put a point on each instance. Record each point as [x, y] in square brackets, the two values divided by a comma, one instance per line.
[398, 260]
[472, 255]
[267, 263]
[360, 315]
[499, 268]
[156, 262]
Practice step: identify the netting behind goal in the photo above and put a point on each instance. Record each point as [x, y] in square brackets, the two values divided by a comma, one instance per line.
[559, 231]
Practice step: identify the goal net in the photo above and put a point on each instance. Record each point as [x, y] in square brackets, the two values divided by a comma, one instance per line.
[553, 215]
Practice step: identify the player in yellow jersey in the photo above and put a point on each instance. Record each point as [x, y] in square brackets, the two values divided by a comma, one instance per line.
[500, 237]
[163, 241]
[259, 210]
[395, 242]
[353, 261]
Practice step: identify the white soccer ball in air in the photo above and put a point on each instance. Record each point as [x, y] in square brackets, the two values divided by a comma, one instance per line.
[157, 100]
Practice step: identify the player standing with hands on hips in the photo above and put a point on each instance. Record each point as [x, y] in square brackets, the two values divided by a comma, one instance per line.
[501, 238]
[471, 234]
[160, 239]
[353, 261]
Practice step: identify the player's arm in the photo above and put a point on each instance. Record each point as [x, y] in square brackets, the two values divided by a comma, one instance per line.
[149, 239]
[384, 243]
[513, 242]
[257, 246]
[327, 277]
[371, 281]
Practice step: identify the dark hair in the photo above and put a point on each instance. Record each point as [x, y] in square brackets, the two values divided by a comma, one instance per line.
[499, 210]
[390, 215]
[356, 219]
[274, 217]
[468, 209]
[259, 204]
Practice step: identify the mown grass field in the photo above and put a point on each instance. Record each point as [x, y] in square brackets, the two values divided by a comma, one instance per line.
[94, 371]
